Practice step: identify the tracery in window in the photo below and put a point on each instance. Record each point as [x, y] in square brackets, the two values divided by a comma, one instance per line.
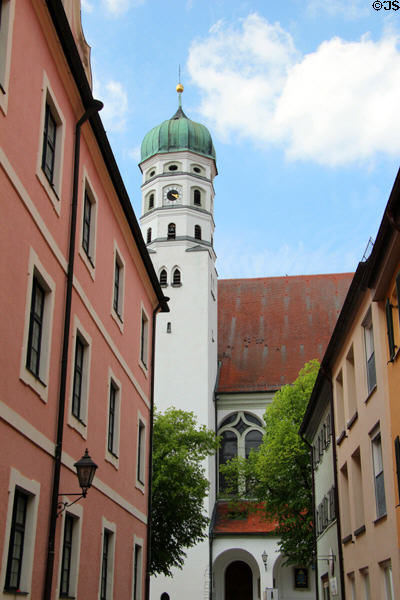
[240, 432]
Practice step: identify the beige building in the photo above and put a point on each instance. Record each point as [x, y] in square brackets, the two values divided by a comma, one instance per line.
[360, 367]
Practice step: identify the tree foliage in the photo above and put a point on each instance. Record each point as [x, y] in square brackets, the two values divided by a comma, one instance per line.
[280, 473]
[179, 487]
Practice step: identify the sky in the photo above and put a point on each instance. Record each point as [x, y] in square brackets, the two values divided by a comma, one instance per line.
[302, 99]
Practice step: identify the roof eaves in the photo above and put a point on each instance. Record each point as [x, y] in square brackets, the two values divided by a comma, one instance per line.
[364, 277]
[63, 30]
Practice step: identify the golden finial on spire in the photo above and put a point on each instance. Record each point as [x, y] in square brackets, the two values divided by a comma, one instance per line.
[179, 87]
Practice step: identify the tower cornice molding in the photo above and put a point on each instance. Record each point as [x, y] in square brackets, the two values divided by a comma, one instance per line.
[176, 174]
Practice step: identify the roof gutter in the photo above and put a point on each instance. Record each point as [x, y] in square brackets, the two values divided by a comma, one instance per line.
[64, 33]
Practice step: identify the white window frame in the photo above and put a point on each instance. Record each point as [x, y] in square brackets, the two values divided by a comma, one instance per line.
[377, 466]
[38, 384]
[141, 456]
[6, 32]
[112, 528]
[118, 315]
[90, 261]
[388, 580]
[369, 349]
[144, 340]
[32, 489]
[137, 543]
[76, 511]
[113, 457]
[80, 424]
[147, 200]
[53, 191]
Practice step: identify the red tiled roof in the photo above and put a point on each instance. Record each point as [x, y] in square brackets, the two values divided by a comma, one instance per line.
[269, 327]
[253, 521]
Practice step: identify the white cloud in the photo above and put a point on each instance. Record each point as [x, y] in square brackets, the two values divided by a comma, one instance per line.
[115, 99]
[237, 260]
[335, 105]
[120, 7]
[351, 9]
[134, 153]
[87, 6]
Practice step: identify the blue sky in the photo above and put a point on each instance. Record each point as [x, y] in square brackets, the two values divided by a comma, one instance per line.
[301, 98]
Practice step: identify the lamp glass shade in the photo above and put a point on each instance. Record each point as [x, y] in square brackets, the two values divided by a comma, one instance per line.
[85, 469]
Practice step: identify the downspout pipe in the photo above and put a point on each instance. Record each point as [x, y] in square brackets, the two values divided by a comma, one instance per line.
[93, 108]
[335, 475]
[150, 469]
[314, 513]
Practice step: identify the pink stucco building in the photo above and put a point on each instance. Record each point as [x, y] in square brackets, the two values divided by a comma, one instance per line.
[76, 324]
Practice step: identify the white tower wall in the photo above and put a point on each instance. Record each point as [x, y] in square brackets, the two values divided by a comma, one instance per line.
[186, 338]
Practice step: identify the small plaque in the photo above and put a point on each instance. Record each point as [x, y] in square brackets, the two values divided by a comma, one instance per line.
[300, 578]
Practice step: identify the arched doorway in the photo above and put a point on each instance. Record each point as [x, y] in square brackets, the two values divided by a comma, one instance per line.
[238, 581]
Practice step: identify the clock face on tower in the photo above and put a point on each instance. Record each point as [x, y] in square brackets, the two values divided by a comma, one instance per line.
[172, 193]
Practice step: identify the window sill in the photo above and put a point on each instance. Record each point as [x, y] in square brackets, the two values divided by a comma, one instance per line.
[144, 368]
[347, 539]
[35, 383]
[370, 394]
[15, 592]
[359, 531]
[176, 285]
[50, 190]
[352, 420]
[87, 261]
[112, 459]
[380, 519]
[118, 319]
[140, 486]
[341, 437]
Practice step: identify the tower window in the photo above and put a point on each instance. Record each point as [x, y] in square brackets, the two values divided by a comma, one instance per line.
[152, 173]
[172, 168]
[197, 197]
[149, 235]
[171, 231]
[197, 232]
[151, 201]
[163, 278]
[197, 169]
[176, 278]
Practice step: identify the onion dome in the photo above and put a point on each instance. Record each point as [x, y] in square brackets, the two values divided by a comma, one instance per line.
[176, 134]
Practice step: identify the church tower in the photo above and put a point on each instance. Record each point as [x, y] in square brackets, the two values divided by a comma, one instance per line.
[178, 164]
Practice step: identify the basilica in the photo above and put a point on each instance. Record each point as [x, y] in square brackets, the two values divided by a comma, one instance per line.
[222, 351]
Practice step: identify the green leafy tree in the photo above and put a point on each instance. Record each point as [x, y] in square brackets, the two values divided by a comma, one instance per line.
[179, 487]
[279, 474]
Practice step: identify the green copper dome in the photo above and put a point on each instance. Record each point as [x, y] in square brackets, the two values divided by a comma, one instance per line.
[178, 133]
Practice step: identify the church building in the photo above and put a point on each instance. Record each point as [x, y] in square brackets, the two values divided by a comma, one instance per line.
[223, 351]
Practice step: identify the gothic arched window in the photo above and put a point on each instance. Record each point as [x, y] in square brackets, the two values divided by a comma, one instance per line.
[197, 197]
[240, 433]
[149, 235]
[171, 231]
[197, 232]
[176, 277]
[163, 278]
[151, 201]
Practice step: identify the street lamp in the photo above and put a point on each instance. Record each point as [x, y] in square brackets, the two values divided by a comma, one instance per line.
[264, 557]
[85, 470]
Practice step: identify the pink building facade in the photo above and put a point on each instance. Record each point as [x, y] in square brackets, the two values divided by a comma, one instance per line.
[98, 367]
